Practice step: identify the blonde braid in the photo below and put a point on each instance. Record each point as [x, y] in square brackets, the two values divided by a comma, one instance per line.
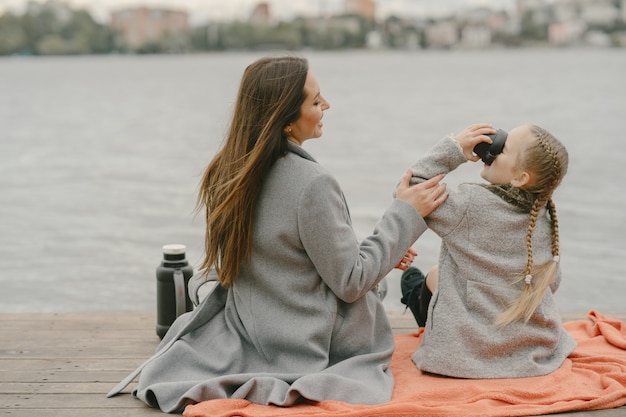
[556, 179]
[534, 214]
[555, 228]
[544, 198]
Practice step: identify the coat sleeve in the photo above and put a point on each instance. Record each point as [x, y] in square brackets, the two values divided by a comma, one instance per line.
[442, 158]
[349, 268]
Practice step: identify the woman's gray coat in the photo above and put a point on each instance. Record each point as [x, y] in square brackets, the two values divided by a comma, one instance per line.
[483, 249]
[301, 320]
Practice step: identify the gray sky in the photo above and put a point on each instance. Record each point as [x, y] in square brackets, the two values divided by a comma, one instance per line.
[202, 10]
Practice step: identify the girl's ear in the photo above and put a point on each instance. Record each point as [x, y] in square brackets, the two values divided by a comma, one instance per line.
[521, 179]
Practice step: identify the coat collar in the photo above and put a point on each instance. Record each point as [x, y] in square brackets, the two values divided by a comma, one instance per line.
[298, 150]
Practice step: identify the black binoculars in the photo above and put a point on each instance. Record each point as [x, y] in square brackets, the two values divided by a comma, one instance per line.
[489, 151]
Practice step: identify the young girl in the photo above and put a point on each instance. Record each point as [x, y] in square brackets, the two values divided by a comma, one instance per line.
[491, 314]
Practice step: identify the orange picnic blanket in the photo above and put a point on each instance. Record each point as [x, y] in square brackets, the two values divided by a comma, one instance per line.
[593, 377]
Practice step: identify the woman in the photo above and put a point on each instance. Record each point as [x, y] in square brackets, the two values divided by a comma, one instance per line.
[294, 317]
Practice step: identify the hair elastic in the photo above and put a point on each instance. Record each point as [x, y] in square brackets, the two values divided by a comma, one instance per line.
[528, 279]
[556, 259]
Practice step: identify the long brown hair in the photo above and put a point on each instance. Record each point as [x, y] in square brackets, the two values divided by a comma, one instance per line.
[269, 98]
[546, 159]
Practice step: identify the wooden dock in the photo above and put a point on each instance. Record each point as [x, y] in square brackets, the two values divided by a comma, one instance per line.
[63, 364]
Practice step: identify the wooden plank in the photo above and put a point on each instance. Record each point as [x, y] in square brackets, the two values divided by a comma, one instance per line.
[45, 345]
[47, 387]
[78, 364]
[68, 401]
[87, 350]
[13, 337]
[85, 377]
[402, 322]
[81, 412]
[71, 321]
[80, 340]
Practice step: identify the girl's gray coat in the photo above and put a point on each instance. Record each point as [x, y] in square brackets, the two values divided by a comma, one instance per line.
[483, 250]
[301, 320]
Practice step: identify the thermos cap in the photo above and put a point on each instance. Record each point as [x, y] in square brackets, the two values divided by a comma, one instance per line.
[174, 249]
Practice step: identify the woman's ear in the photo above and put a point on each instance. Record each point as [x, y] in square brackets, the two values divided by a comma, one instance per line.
[521, 179]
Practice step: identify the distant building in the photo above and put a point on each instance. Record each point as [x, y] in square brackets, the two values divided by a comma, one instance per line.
[620, 38]
[442, 34]
[374, 40]
[261, 14]
[476, 37]
[597, 38]
[565, 11]
[59, 9]
[524, 6]
[363, 8]
[601, 12]
[144, 24]
[568, 33]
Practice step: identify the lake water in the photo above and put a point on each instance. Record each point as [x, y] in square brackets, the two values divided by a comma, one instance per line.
[100, 158]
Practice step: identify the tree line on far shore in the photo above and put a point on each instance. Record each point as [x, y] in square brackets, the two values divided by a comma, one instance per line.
[45, 31]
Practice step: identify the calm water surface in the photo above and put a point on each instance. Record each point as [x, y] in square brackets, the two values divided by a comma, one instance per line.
[100, 158]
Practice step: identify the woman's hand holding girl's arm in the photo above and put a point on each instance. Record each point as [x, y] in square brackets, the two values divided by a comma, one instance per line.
[425, 196]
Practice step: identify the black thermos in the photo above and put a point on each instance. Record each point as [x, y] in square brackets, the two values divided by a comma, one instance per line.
[172, 278]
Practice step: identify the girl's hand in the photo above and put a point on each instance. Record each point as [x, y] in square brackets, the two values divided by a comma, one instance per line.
[473, 135]
[407, 259]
